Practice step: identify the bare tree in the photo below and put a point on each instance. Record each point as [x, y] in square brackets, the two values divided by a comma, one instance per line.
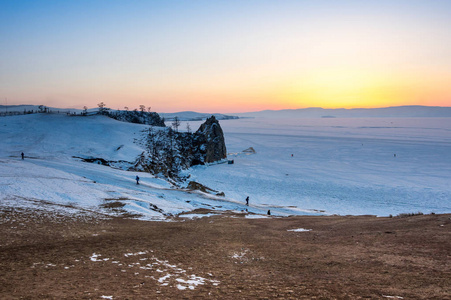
[152, 143]
[126, 108]
[148, 109]
[142, 108]
[188, 128]
[171, 140]
[101, 106]
[176, 124]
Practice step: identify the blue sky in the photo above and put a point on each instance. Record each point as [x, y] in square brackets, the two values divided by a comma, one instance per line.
[225, 55]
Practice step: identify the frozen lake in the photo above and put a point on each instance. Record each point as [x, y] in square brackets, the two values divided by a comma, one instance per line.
[343, 166]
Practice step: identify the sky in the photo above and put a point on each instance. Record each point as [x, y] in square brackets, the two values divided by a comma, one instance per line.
[225, 56]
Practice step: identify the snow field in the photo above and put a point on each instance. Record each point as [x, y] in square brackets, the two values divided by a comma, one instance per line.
[91, 187]
[302, 166]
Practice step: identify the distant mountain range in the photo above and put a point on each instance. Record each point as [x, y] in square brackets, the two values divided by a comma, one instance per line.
[194, 116]
[414, 111]
[317, 112]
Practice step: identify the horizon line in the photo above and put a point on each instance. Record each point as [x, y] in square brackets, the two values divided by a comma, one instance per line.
[256, 111]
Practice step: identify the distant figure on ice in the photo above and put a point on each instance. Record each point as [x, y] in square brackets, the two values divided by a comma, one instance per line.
[137, 179]
[247, 201]
[291, 155]
[269, 212]
[394, 155]
[23, 155]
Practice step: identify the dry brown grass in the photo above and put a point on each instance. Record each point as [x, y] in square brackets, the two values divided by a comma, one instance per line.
[47, 256]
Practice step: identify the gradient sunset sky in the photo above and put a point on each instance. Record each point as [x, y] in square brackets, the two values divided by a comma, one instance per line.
[225, 56]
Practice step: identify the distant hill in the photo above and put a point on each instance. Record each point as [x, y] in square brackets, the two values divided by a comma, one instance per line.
[413, 111]
[194, 116]
[394, 111]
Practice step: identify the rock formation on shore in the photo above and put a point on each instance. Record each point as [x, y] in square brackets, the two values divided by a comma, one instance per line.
[168, 152]
[210, 134]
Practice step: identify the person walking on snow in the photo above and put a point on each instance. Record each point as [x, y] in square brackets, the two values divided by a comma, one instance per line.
[247, 201]
[23, 155]
[137, 179]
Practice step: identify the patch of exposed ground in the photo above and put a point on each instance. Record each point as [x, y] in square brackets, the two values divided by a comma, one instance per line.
[51, 255]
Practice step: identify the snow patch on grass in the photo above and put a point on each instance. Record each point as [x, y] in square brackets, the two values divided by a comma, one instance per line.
[196, 216]
[299, 230]
[173, 275]
[244, 256]
[256, 216]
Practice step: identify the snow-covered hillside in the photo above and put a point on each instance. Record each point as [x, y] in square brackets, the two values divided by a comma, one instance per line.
[50, 175]
[58, 136]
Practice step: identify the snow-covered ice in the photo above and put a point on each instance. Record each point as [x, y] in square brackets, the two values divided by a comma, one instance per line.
[378, 166]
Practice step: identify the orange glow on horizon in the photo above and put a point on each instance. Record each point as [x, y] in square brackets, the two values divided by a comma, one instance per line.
[329, 88]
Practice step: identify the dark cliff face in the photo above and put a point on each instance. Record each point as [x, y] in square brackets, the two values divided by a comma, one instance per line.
[169, 152]
[211, 140]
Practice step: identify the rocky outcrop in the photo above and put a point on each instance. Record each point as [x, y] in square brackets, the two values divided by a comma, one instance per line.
[250, 150]
[211, 140]
[169, 152]
[196, 186]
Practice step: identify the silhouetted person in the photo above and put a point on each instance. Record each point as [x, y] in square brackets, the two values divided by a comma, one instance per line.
[23, 155]
[269, 212]
[247, 201]
[137, 179]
